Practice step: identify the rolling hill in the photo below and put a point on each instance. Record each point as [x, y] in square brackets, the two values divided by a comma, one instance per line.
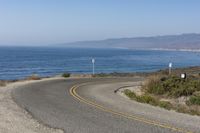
[168, 42]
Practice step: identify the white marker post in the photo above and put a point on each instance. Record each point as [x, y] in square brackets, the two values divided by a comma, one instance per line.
[93, 62]
[170, 68]
[183, 75]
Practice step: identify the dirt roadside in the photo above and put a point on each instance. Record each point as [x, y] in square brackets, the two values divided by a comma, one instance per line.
[14, 119]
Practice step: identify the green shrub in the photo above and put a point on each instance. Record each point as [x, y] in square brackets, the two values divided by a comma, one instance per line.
[165, 104]
[147, 99]
[130, 94]
[142, 99]
[153, 85]
[185, 88]
[66, 75]
[156, 89]
[172, 86]
[194, 100]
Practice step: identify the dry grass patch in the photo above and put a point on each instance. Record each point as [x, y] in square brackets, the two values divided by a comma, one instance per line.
[2, 83]
[33, 77]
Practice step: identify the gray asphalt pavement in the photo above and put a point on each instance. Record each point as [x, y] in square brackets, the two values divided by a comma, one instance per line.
[51, 103]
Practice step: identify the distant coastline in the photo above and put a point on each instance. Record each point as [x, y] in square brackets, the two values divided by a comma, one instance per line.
[165, 49]
[160, 49]
[182, 42]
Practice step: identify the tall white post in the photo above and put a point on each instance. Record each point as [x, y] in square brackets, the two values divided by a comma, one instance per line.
[93, 62]
[170, 68]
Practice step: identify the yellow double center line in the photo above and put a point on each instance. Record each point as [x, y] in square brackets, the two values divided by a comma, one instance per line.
[122, 114]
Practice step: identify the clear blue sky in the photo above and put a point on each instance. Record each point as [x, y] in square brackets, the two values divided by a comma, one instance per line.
[41, 22]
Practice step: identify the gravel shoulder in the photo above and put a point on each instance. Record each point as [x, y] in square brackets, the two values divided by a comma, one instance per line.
[14, 119]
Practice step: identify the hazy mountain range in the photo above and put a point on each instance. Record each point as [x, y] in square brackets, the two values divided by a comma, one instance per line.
[168, 42]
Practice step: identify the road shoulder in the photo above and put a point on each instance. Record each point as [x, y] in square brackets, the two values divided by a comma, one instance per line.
[15, 119]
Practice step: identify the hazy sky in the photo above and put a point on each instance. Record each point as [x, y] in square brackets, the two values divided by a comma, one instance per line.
[40, 22]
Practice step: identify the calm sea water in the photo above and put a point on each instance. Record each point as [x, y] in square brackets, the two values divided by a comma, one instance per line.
[20, 62]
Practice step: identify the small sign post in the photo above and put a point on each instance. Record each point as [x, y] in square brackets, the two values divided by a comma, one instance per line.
[93, 62]
[170, 68]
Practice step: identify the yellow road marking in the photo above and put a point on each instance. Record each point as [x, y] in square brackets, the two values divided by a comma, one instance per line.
[122, 114]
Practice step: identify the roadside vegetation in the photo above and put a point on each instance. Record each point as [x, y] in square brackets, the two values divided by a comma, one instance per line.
[172, 86]
[171, 92]
[33, 77]
[2, 83]
[66, 75]
[147, 98]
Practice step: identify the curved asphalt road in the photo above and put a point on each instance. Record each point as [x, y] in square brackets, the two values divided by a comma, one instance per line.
[95, 108]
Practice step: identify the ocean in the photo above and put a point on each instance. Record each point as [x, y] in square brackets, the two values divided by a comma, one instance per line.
[20, 62]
